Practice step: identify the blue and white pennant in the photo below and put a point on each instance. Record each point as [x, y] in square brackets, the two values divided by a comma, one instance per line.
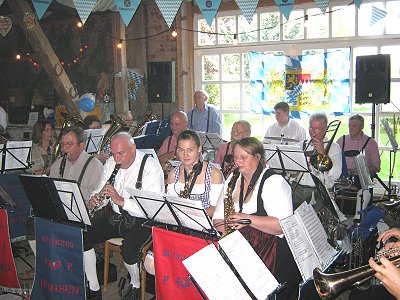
[84, 8]
[1, 2]
[377, 15]
[134, 81]
[168, 9]
[322, 4]
[248, 8]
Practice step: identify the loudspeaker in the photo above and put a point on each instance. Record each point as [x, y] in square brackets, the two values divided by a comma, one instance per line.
[373, 78]
[161, 81]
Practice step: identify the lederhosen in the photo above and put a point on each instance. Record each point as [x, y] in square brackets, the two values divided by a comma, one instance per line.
[355, 178]
[208, 119]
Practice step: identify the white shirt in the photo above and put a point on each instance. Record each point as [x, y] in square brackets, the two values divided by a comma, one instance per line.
[276, 195]
[327, 178]
[292, 130]
[3, 118]
[153, 180]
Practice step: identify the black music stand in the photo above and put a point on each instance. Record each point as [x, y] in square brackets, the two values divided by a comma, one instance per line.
[15, 155]
[186, 216]
[93, 140]
[210, 141]
[56, 199]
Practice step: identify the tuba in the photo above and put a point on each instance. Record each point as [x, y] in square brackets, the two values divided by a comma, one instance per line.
[322, 162]
[147, 118]
[69, 121]
[116, 125]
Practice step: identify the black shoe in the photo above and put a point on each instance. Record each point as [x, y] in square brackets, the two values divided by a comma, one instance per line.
[93, 295]
[131, 294]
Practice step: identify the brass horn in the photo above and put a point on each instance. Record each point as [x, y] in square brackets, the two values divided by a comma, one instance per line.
[69, 121]
[322, 162]
[147, 118]
[330, 286]
[116, 125]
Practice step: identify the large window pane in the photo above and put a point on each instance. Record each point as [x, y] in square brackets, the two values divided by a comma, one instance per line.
[226, 29]
[394, 105]
[343, 20]
[269, 25]
[364, 20]
[246, 97]
[230, 67]
[210, 67]
[245, 66]
[256, 121]
[394, 59]
[231, 96]
[214, 94]
[248, 33]
[317, 24]
[393, 17]
[203, 37]
[228, 120]
[293, 29]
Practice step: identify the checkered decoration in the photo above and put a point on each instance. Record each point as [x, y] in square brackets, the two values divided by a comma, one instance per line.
[377, 15]
[168, 9]
[134, 81]
[248, 8]
[322, 4]
[1, 2]
[84, 8]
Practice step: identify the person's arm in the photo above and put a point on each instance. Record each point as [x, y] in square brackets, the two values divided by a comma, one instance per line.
[215, 122]
[372, 157]
[393, 232]
[335, 154]
[388, 274]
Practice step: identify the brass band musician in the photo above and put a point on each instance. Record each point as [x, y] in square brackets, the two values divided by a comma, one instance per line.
[42, 146]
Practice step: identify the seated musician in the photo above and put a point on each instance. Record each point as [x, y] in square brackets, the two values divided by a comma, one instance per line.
[264, 198]
[128, 119]
[224, 156]
[42, 147]
[284, 127]
[304, 188]
[120, 222]
[178, 123]
[91, 122]
[354, 143]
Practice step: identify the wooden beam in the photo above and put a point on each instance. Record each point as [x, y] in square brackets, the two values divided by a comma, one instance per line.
[47, 57]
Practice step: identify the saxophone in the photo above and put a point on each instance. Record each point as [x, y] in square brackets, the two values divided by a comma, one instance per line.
[229, 205]
[62, 166]
[104, 198]
[226, 171]
[185, 193]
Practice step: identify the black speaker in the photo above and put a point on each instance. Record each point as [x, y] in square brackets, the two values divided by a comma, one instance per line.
[373, 78]
[161, 81]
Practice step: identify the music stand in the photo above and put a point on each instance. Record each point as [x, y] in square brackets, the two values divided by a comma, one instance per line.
[184, 214]
[285, 158]
[15, 155]
[209, 140]
[93, 141]
[56, 199]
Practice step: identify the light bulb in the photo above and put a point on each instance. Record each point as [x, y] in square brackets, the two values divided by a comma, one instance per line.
[79, 24]
[18, 56]
[305, 21]
[174, 33]
[235, 39]
[119, 45]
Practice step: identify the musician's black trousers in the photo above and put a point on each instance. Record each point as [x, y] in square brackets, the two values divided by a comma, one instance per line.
[134, 238]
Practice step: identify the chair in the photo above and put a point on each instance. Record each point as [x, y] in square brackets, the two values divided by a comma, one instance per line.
[114, 246]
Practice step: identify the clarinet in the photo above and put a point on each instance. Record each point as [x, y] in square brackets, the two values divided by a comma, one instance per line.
[105, 198]
[62, 166]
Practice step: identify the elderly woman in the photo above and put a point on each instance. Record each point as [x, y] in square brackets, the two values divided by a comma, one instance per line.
[194, 178]
[224, 156]
[264, 198]
[42, 147]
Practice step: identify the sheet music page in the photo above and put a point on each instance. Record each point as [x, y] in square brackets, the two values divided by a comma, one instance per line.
[315, 232]
[301, 248]
[249, 265]
[94, 138]
[190, 213]
[291, 158]
[72, 200]
[17, 154]
[214, 276]
[150, 203]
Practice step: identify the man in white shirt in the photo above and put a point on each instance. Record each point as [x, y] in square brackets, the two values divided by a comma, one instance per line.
[121, 222]
[304, 188]
[284, 128]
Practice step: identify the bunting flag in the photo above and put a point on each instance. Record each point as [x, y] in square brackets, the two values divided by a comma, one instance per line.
[358, 3]
[308, 83]
[59, 262]
[84, 8]
[285, 6]
[168, 9]
[127, 9]
[322, 4]
[1, 2]
[134, 81]
[377, 15]
[41, 7]
[209, 9]
[248, 8]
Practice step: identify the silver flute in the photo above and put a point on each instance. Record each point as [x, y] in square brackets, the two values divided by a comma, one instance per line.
[104, 198]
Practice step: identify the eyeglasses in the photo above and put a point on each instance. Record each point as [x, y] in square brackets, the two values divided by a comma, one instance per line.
[69, 144]
[237, 132]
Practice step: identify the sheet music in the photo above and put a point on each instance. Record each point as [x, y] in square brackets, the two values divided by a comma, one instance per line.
[94, 138]
[363, 172]
[17, 154]
[210, 140]
[214, 276]
[72, 200]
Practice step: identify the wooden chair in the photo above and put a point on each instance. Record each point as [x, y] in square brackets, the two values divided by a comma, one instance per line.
[114, 246]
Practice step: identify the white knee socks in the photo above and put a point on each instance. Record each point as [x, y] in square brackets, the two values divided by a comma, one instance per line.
[135, 274]
[89, 261]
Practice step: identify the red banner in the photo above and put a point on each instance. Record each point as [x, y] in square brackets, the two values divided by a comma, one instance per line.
[172, 278]
[8, 273]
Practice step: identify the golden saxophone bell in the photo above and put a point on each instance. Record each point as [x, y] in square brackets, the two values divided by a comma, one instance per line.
[117, 124]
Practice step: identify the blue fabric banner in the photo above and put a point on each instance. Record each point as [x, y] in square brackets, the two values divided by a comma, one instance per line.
[285, 6]
[248, 8]
[134, 81]
[16, 216]
[127, 9]
[84, 8]
[41, 6]
[308, 83]
[168, 9]
[59, 262]
[209, 9]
